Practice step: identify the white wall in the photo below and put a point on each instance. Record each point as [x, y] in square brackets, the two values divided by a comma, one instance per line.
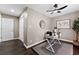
[68, 34]
[0, 27]
[23, 27]
[34, 32]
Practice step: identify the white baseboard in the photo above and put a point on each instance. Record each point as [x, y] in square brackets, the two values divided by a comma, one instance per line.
[71, 41]
[25, 45]
[8, 39]
[43, 41]
[15, 38]
[33, 44]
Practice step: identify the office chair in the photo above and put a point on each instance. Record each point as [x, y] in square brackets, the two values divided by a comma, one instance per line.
[49, 37]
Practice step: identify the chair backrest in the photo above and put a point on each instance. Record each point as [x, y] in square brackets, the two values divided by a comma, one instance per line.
[47, 34]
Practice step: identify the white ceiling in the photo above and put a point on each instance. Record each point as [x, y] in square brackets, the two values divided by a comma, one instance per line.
[41, 8]
[18, 9]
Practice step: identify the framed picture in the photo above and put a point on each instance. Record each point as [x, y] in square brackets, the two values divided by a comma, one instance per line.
[42, 24]
[63, 24]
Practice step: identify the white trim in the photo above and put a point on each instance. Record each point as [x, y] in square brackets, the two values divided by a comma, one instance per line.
[43, 41]
[8, 39]
[15, 38]
[21, 40]
[25, 45]
[33, 44]
[71, 41]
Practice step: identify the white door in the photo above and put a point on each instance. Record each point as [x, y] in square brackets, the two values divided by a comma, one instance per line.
[7, 29]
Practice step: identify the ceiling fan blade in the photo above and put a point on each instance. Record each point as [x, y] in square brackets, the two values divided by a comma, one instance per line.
[62, 7]
[49, 10]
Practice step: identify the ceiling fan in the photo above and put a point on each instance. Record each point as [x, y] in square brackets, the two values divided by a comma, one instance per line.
[58, 10]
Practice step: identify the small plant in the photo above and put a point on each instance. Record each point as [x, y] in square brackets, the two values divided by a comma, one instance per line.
[76, 27]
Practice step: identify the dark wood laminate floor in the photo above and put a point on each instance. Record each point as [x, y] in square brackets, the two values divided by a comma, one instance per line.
[75, 50]
[15, 47]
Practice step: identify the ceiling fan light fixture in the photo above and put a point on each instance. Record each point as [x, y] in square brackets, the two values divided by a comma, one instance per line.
[12, 10]
[58, 11]
[55, 5]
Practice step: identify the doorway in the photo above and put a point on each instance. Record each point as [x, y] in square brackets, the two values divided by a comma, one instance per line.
[6, 29]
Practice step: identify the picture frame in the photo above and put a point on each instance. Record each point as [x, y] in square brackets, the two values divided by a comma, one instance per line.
[42, 24]
[63, 23]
